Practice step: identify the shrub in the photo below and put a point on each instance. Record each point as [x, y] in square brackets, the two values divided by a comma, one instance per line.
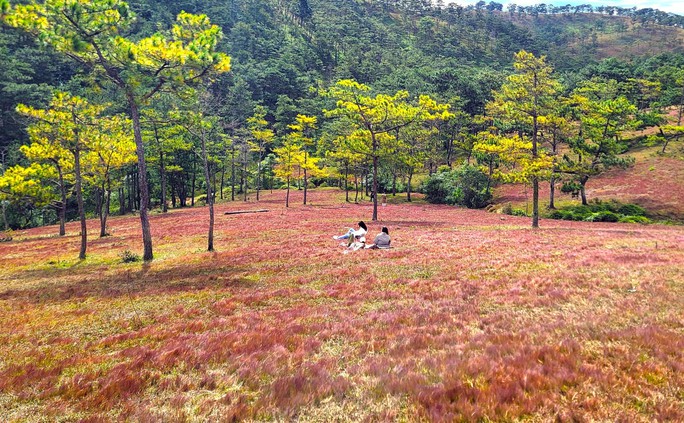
[570, 187]
[465, 186]
[127, 256]
[576, 216]
[634, 219]
[557, 214]
[518, 212]
[438, 187]
[600, 211]
[631, 210]
[603, 216]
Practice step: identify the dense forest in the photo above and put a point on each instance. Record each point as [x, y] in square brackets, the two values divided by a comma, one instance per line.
[113, 107]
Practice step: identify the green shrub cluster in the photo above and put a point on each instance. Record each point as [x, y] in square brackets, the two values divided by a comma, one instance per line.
[127, 256]
[464, 186]
[598, 211]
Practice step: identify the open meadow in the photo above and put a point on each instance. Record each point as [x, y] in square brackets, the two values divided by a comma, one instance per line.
[470, 316]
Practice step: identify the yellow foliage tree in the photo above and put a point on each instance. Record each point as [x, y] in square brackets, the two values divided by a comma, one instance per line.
[376, 118]
[527, 95]
[90, 32]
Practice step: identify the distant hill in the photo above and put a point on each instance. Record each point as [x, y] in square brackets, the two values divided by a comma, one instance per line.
[601, 36]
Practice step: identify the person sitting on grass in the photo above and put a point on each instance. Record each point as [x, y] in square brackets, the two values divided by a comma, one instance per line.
[382, 240]
[352, 235]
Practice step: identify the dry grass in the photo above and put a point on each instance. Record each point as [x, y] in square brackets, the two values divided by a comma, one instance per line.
[469, 317]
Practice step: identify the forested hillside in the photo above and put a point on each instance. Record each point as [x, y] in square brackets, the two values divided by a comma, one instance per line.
[285, 54]
[239, 140]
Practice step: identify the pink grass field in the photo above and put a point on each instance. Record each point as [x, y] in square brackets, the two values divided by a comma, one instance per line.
[472, 316]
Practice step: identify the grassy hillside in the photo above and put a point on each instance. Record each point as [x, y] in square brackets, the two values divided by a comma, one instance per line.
[472, 315]
[601, 36]
[655, 182]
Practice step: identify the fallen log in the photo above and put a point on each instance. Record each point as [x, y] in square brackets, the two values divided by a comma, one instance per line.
[246, 211]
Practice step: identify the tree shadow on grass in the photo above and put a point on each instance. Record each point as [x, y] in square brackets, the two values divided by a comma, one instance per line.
[142, 282]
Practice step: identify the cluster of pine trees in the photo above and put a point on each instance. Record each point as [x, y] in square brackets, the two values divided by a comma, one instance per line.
[117, 107]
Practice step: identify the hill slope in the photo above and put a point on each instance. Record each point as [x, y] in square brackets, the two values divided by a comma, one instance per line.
[655, 182]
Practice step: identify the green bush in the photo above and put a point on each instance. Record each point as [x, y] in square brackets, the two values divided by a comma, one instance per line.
[518, 212]
[603, 216]
[438, 187]
[570, 187]
[127, 256]
[634, 219]
[465, 186]
[631, 210]
[599, 211]
[576, 216]
[557, 214]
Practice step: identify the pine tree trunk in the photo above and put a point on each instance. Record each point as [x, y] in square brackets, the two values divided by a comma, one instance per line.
[375, 178]
[535, 179]
[131, 188]
[100, 210]
[105, 213]
[552, 192]
[583, 194]
[306, 182]
[450, 148]
[213, 179]
[535, 202]
[99, 199]
[63, 206]
[258, 181]
[138, 199]
[244, 177]
[142, 172]
[162, 174]
[408, 186]
[194, 181]
[287, 195]
[122, 200]
[210, 197]
[223, 177]
[346, 183]
[79, 199]
[232, 175]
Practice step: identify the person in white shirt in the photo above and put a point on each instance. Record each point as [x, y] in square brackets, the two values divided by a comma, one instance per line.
[358, 235]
